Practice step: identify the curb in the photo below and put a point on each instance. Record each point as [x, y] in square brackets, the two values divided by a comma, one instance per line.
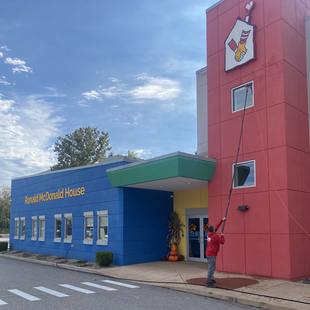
[233, 299]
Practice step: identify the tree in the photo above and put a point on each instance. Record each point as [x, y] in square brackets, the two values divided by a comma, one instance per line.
[132, 154]
[84, 146]
[5, 206]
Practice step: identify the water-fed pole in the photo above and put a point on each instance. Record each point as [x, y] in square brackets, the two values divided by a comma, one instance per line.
[233, 177]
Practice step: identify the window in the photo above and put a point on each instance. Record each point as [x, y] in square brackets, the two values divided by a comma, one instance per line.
[34, 228]
[244, 174]
[42, 228]
[23, 228]
[88, 227]
[102, 227]
[238, 95]
[16, 236]
[57, 228]
[68, 227]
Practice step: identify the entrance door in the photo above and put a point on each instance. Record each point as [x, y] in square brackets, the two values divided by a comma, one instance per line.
[196, 227]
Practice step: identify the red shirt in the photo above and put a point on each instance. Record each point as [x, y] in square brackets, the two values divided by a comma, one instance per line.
[214, 241]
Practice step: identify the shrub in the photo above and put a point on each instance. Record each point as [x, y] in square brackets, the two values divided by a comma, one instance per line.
[3, 246]
[164, 258]
[181, 257]
[104, 258]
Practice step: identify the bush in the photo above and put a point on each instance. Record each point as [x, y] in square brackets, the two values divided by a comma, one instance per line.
[181, 257]
[3, 246]
[104, 258]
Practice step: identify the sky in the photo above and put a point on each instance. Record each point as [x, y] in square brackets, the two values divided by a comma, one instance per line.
[125, 67]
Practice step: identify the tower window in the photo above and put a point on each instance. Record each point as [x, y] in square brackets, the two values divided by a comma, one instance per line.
[238, 95]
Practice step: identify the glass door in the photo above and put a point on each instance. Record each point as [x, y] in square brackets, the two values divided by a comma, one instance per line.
[196, 237]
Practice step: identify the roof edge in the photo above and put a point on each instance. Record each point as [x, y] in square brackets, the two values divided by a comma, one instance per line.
[214, 5]
[163, 157]
[105, 161]
[202, 70]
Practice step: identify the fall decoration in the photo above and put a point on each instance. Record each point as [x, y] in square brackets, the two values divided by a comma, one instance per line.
[174, 235]
[174, 229]
[206, 226]
[192, 227]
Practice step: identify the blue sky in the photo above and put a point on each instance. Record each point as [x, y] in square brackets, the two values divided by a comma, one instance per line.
[125, 67]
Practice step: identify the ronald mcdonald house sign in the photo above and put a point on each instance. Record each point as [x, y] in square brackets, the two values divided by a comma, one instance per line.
[60, 194]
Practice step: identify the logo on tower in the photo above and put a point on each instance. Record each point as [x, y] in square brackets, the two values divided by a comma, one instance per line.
[238, 54]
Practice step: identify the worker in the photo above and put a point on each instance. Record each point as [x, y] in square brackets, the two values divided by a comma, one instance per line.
[213, 247]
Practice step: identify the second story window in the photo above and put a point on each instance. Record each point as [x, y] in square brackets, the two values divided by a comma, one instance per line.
[238, 95]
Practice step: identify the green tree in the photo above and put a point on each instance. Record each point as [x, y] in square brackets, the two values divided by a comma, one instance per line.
[5, 206]
[84, 146]
[132, 154]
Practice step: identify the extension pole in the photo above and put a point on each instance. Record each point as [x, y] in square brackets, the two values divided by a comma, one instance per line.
[233, 177]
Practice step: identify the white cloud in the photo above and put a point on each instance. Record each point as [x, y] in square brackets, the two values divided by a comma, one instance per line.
[19, 65]
[4, 82]
[1, 55]
[115, 80]
[82, 103]
[111, 92]
[137, 116]
[52, 93]
[140, 153]
[158, 88]
[92, 95]
[27, 130]
[5, 48]
[5, 105]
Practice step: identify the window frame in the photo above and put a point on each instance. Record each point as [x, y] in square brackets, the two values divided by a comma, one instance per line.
[22, 235]
[41, 218]
[103, 213]
[88, 215]
[57, 217]
[16, 228]
[68, 216]
[254, 168]
[34, 218]
[232, 96]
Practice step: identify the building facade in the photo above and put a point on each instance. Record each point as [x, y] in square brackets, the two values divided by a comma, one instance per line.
[258, 56]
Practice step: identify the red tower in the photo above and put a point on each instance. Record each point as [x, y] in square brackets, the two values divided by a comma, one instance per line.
[271, 238]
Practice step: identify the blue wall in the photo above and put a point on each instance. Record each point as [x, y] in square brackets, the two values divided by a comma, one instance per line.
[137, 219]
[146, 217]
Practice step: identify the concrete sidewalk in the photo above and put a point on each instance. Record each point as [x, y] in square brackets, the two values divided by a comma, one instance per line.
[267, 294]
[173, 275]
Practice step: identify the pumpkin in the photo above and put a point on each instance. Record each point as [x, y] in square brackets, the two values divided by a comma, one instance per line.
[173, 248]
[173, 258]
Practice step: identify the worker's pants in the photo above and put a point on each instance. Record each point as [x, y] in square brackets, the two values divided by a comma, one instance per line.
[211, 260]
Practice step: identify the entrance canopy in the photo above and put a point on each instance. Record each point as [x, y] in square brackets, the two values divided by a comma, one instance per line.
[173, 172]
